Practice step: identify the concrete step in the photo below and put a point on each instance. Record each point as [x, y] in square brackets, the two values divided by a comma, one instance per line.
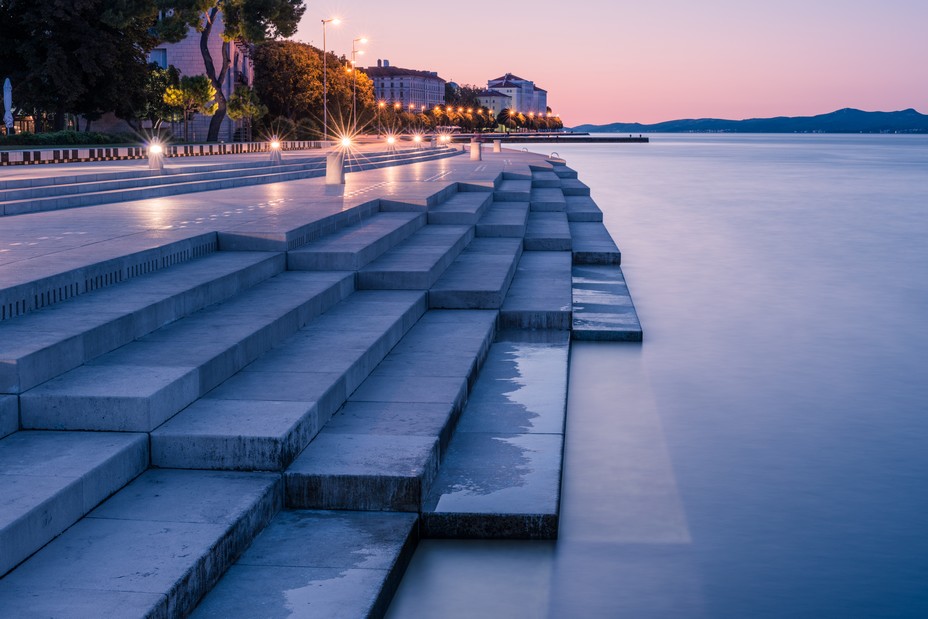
[540, 295]
[480, 276]
[170, 177]
[504, 219]
[563, 171]
[152, 550]
[38, 346]
[547, 200]
[353, 247]
[582, 208]
[602, 305]
[217, 180]
[48, 480]
[500, 477]
[141, 385]
[547, 232]
[573, 187]
[418, 262]
[513, 191]
[262, 417]
[592, 244]
[382, 450]
[90, 266]
[339, 564]
[545, 179]
[9, 414]
[464, 207]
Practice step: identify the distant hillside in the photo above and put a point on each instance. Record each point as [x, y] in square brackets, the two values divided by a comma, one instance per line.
[843, 121]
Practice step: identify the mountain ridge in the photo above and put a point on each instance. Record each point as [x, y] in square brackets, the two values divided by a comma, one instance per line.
[846, 120]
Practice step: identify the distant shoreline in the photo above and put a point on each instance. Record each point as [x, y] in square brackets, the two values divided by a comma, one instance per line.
[846, 121]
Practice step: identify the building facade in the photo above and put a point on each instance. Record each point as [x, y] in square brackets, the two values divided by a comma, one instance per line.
[494, 101]
[523, 95]
[410, 88]
[186, 57]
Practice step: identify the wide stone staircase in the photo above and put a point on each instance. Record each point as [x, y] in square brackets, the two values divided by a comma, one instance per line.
[185, 430]
[46, 194]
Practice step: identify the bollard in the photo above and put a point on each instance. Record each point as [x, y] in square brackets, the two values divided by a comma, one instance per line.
[156, 158]
[275, 152]
[463, 148]
[433, 143]
[335, 168]
[476, 152]
[497, 146]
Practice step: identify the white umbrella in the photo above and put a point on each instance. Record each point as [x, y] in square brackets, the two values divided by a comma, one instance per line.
[8, 105]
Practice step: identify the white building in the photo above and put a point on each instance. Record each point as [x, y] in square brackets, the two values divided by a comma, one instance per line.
[408, 87]
[494, 101]
[524, 96]
[186, 57]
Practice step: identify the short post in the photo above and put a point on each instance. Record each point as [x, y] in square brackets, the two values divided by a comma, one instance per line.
[433, 143]
[275, 152]
[335, 168]
[476, 150]
[156, 157]
[497, 146]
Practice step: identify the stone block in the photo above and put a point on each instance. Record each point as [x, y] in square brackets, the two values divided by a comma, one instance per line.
[592, 244]
[546, 231]
[539, 297]
[504, 219]
[480, 276]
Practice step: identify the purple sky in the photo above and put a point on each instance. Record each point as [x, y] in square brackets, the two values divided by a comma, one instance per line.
[604, 61]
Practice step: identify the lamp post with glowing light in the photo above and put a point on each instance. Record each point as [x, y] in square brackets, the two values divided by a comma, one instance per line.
[275, 150]
[354, 67]
[156, 157]
[325, 77]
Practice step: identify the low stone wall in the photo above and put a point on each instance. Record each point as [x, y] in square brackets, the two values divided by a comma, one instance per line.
[65, 154]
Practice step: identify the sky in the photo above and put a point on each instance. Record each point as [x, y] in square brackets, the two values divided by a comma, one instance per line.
[607, 61]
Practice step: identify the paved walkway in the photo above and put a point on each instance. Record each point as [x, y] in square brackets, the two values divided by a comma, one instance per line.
[274, 208]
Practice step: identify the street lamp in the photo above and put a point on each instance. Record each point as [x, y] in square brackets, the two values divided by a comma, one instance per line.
[354, 65]
[325, 77]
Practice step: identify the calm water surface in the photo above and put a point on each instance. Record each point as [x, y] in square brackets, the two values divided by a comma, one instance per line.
[764, 453]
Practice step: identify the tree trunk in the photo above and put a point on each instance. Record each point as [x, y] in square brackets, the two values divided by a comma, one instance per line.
[216, 78]
[59, 120]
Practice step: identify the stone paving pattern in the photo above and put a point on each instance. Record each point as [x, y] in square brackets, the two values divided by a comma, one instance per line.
[288, 383]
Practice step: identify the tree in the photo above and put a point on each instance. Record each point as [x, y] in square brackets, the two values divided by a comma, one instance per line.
[250, 21]
[194, 94]
[245, 105]
[67, 56]
[288, 78]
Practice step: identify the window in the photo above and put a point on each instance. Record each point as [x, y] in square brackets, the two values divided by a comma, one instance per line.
[159, 57]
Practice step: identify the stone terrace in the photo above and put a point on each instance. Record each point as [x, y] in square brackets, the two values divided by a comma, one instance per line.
[257, 396]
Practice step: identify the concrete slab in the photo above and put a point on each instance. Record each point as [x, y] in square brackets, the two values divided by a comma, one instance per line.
[582, 208]
[395, 419]
[418, 262]
[312, 563]
[123, 398]
[465, 207]
[169, 535]
[573, 187]
[522, 388]
[564, 171]
[244, 435]
[362, 472]
[9, 415]
[513, 191]
[45, 343]
[593, 244]
[603, 308]
[353, 247]
[480, 276]
[141, 385]
[539, 297]
[547, 200]
[48, 480]
[496, 486]
[545, 179]
[504, 219]
[547, 232]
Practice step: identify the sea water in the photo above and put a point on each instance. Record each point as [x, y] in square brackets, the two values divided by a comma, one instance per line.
[764, 452]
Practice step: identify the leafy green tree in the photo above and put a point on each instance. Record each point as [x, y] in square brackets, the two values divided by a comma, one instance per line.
[250, 21]
[245, 106]
[193, 94]
[288, 78]
[69, 56]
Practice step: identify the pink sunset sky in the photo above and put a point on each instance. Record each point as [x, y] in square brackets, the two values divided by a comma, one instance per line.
[607, 61]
